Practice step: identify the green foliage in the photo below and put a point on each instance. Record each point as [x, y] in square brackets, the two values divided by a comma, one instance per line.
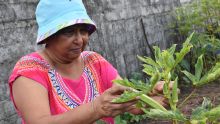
[199, 113]
[162, 68]
[202, 17]
[198, 15]
[205, 113]
[211, 75]
[168, 115]
[120, 120]
[128, 118]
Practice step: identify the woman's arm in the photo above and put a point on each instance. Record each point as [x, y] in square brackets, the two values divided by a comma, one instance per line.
[31, 100]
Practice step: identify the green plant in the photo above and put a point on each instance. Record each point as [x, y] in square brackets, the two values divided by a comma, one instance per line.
[201, 17]
[128, 118]
[162, 68]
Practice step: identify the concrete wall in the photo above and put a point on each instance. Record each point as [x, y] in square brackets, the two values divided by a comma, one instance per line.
[119, 37]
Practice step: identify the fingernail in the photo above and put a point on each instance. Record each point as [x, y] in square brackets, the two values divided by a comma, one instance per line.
[138, 97]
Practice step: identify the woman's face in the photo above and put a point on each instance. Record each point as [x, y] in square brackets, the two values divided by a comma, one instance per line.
[69, 42]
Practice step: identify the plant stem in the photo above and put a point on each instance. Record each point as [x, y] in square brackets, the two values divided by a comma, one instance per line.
[190, 95]
[175, 122]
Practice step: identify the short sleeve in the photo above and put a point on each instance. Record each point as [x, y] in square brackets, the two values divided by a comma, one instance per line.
[109, 73]
[106, 70]
[32, 68]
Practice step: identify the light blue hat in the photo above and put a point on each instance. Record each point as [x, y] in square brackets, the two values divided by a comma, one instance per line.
[54, 15]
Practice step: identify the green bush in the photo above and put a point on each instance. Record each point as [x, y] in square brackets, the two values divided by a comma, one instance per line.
[201, 17]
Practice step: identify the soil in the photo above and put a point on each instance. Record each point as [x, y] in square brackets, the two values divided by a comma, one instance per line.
[211, 91]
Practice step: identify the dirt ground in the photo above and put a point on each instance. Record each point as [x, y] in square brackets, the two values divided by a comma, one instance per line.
[211, 91]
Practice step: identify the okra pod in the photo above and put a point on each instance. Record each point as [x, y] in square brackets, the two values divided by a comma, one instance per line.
[151, 102]
[166, 90]
[175, 92]
[154, 80]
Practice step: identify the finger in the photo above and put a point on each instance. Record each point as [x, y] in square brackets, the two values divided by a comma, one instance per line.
[159, 86]
[165, 105]
[122, 106]
[117, 109]
[153, 93]
[116, 113]
[117, 89]
[160, 99]
[166, 101]
[136, 111]
[130, 108]
[171, 84]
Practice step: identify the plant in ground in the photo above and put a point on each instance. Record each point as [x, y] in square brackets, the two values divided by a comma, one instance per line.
[162, 68]
[202, 17]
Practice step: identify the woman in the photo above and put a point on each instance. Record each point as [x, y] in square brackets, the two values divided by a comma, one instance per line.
[63, 84]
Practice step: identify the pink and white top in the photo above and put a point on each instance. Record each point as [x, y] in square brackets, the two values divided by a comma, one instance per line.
[65, 94]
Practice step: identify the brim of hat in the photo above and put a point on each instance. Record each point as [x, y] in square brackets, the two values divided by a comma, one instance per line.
[63, 21]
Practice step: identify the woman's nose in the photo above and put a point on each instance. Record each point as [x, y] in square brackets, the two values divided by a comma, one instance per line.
[78, 37]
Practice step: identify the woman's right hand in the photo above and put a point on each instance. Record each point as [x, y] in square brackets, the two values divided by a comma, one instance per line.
[104, 106]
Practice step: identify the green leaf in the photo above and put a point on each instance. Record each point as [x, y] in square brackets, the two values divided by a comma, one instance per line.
[141, 86]
[126, 96]
[135, 84]
[153, 80]
[212, 75]
[118, 120]
[185, 64]
[199, 67]
[191, 77]
[213, 114]
[165, 115]
[168, 60]
[124, 82]
[148, 61]
[149, 70]
[199, 112]
[186, 48]
[207, 104]
[172, 49]
[203, 121]
[157, 53]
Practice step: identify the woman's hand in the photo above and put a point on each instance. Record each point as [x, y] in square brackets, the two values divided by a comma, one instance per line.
[157, 95]
[104, 106]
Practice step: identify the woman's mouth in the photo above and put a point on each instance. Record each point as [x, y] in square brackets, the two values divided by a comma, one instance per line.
[76, 50]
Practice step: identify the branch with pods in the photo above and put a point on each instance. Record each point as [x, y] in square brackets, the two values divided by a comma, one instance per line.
[162, 69]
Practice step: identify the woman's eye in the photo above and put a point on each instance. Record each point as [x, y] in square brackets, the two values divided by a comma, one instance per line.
[83, 31]
[68, 33]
